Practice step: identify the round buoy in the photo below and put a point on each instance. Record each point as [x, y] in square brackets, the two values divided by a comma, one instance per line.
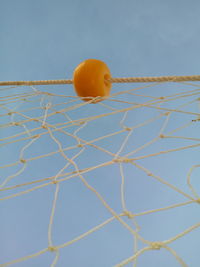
[91, 80]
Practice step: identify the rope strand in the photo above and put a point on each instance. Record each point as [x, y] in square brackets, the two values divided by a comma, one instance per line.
[112, 80]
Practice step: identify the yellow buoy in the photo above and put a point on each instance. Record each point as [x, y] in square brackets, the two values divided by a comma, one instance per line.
[91, 80]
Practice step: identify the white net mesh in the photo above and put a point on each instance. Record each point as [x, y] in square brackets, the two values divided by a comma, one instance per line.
[102, 184]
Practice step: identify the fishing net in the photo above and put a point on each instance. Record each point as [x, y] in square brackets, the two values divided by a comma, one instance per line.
[108, 184]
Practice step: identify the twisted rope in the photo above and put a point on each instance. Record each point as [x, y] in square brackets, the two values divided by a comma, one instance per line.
[112, 80]
[156, 79]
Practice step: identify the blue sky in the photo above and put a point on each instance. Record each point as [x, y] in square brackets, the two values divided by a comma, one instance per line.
[47, 39]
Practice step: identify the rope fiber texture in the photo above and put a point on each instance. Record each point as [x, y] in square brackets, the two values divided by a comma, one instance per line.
[112, 80]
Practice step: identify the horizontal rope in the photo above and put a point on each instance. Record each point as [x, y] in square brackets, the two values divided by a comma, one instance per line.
[42, 82]
[112, 80]
[156, 79]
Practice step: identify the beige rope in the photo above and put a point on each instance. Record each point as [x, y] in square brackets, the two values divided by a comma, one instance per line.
[112, 80]
[156, 79]
[43, 82]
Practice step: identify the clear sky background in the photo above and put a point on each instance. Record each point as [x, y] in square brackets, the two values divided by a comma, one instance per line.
[47, 39]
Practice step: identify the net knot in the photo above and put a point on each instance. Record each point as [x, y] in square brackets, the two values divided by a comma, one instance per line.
[48, 105]
[198, 200]
[80, 145]
[122, 160]
[129, 214]
[23, 161]
[127, 128]
[82, 122]
[52, 249]
[44, 126]
[36, 136]
[54, 182]
[162, 136]
[196, 119]
[157, 245]
[94, 100]
[16, 123]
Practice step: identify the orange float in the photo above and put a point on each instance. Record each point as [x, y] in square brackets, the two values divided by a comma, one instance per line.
[91, 80]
